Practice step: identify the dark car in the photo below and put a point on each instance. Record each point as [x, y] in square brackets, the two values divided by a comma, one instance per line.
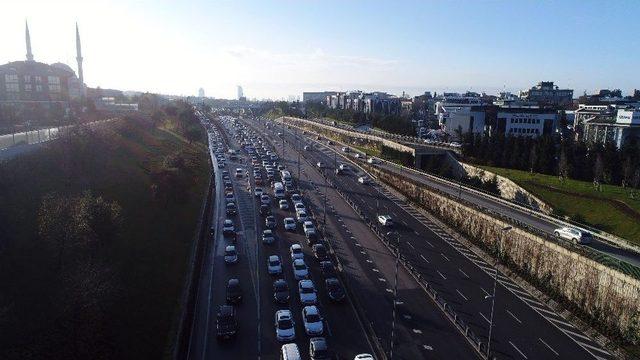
[270, 222]
[265, 210]
[234, 291]
[280, 291]
[327, 269]
[226, 322]
[334, 289]
[320, 252]
[318, 349]
[231, 209]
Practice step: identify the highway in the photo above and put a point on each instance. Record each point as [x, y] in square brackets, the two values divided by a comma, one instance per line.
[527, 216]
[524, 328]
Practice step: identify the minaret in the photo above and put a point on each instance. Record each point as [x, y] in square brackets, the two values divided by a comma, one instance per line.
[79, 58]
[28, 38]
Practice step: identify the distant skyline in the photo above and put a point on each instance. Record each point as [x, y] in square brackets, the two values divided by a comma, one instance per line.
[275, 49]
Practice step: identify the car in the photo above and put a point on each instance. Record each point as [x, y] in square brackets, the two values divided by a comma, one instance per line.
[300, 269]
[330, 142]
[299, 206]
[358, 156]
[309, 229]
[372, 160]
[234, 291]
[312, 320]
[274, 265]
[265, 210]
[318, 349]
[231, 209]
[283, 204]
[345, 149]
[225, 172]
[307, 147]
[455, 144]
[239, 172]
[318, 138]
[258, 180]
[289, 224]
[221, 165]
[228, 228]
[257, 192]
[364, 357]
[320, 252]
[320, 164]
[268, 237]
[385, 220]
[343, 167]
[301, 216]
[228, 197]
[574, 235]
[280, 291]
[296, 198]
[296, 252]
[327, 269]
[270, 222]
[307, 292]
[265, 199]
[226, 322]
[363, 180]
[285, 326]
[335, 291]
[230, 255]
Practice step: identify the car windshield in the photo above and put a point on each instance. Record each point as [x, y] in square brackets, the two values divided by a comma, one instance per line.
[285, 324]
[307, 290]
[274, 262]
[281, 287]
[299, 266]
[320, 353]
[313, 318]
[231, 252]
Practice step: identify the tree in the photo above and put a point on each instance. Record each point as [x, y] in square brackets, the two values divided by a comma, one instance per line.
[564, 167]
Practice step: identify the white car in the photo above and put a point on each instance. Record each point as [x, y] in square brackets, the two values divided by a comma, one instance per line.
[296, 198]
[265, 199]
[238, 172]
[307, 292]
[274, 265]
[385, 220]
[285, 326]
[290, 224]
[372, 160]
[358, 155]
[283, 204]
[228, 197]
[320, 164]
[575, 235]
[257, 192]
[299, 206]
[307, 148]
[345, 149]
[343, 167]
[363, 180]
[230, 255]
[364, 357]
[300, 269]
[296, 252]
[309, 229]
[302, 216]
[312, 320]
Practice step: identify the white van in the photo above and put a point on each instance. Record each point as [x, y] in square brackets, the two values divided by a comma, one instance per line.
[278, 190]
[290, 352]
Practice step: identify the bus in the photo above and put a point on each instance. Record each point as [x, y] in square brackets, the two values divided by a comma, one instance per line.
[278, 190]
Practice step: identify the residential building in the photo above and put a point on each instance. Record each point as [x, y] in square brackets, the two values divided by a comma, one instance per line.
[546, 93]
[317, 96]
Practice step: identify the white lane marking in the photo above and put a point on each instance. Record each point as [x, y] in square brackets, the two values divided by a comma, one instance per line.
[375, 270]
[521, 353]
[484, 291]
[430, 243]
[484, 317]
[405, 223]
[602, 351]
[417, 233]
[427, 347]
[389, 290]
[382, 279]
[417, 331]
[441, 274]
[461, 294]
[326, 323]
[410, 244]
[513, 316]
[370, 261]
[444, 256]
[548, 346]
[463, 273]
[425, 259]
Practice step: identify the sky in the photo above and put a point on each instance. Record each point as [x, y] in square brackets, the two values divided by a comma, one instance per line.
[280, 48]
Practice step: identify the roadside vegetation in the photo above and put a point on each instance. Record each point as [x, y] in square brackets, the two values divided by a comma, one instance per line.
[607, 207]
[95, 234]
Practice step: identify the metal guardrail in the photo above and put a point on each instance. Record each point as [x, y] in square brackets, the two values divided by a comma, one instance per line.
[601, 235]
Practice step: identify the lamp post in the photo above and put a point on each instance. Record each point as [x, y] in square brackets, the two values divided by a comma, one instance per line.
[493, 296]
[395, 292]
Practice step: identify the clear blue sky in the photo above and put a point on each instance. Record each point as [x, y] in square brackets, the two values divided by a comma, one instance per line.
[280, 48]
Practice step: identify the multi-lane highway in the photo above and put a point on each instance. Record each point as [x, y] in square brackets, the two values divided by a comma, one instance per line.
[524, 328]
[522, 214]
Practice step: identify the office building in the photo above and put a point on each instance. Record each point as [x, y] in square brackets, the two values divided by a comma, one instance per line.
[545, 93]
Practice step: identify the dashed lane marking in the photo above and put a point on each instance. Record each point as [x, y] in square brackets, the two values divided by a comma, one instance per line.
[515, 347]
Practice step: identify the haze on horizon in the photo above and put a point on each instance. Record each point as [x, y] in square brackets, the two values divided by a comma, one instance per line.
[275, 49]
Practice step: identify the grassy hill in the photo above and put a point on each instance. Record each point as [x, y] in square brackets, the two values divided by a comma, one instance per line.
[611, 208]
[103, 297]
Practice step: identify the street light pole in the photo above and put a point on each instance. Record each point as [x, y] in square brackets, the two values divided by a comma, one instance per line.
[395, 294]
[493, 296]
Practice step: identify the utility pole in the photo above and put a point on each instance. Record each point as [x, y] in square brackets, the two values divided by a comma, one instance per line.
[495, 282]
[395, 294]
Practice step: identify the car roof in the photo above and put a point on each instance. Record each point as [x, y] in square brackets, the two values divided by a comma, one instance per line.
[318, 343]
[233, 281]
[273, 257]
[305, 283]
[311, 309]
[284, 313]
[296, 246]
[280, 282]
[308, 222]
[230, 247]
[289, 219]
[225, 310]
